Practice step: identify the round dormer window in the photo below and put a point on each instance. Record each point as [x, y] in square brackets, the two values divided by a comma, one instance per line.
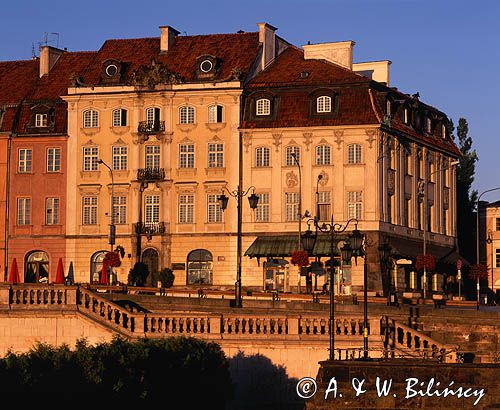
[111, 70]
[206, 66]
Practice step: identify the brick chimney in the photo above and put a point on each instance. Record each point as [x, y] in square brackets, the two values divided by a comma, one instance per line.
[48, 57]
[339, 52]
[167, 37]
[267, 37]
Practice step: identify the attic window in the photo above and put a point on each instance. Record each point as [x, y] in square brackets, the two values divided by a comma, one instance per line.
[206, 66]
[111, 70]
[388, 108]
[304, 74]
[263, 106]
[41, 120]
[406, 115]
[428, 125]
[443, 130]
[323, 104]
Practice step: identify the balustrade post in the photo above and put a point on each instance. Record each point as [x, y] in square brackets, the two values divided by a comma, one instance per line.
[4, 295]
[293, 325]
[215, 321]
[374, 327]
[71, 295]
[139, 324]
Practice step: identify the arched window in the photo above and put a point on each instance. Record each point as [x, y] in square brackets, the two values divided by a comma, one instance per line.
[262, 156]
[153, 115]
[289, 153]
[324, 104]
[36, 267]
[215, 114]
[186, 115]
[263, 106]
[96, 265]
[323, 155]
[354, 154]
[90, 119]
[199, 267]
[119, 117]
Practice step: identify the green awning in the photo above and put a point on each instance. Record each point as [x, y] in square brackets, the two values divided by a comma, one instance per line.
[274, 246]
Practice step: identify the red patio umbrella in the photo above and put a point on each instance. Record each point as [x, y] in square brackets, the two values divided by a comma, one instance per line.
[60, 273]
[103, 280]
[14, 273]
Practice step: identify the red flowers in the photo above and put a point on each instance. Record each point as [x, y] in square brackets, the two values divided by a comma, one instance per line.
[112, 259]
[300, 258]
[428, 262]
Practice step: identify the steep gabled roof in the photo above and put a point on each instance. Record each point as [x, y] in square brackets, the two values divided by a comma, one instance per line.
[17, 79]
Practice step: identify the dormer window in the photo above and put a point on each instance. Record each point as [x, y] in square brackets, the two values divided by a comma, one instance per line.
[406, 115]
[428, 125]
[206, 67]
[111, 72]
[263, 106]
[388, 108]
[323, 104]
[443, 130]
[41, 120]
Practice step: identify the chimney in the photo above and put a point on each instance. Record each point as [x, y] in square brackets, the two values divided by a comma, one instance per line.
[167, 37]
[376, 70]
[267, 37]
[339, 52]
[48, 57]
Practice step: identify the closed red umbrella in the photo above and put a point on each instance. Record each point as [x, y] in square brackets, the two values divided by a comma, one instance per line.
[60, 273]
[14, 273]
[104, 275]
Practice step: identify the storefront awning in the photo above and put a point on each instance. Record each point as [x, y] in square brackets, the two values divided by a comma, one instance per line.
[405, 249]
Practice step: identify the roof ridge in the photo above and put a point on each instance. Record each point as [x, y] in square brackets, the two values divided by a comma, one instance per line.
[182, 36]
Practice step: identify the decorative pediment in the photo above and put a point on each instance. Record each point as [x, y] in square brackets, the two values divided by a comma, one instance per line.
[119, 141]
[215, 138]
[186, 140]
[90, 143]
[154, 74]
[323, 142]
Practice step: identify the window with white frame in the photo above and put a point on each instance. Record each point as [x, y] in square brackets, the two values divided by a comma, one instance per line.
[290, 151]
[262, 212]
[215, 114]
[120, 117]
[291, 206]
[354, 154]
[41, 120]
[355, 204]
[186, 156]
[214, 210]
[406, 115]
[52, 211]
[53, 159]
[89, 210]
[443, 130]
[263, 106]
[388, 108]
[323, 155]
[90, 119]
[152, 156]
[153, 116]
[120, 157]
[324, 104]
[119, 209]
[90, 158]
[324, 205]
[25, 161]
[24, 211]
[152, 209]
[262, 156]
[186, 209]
[215, 155]
[186, 115]
[428, 125]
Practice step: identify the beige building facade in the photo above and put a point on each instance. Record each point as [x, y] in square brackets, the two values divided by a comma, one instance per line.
[492, 244]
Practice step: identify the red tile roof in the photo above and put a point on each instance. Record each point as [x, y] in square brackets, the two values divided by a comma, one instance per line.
[16, 80]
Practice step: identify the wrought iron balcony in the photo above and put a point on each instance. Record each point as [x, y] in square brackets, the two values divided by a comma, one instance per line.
[151, 127]
[149, 228]
[150, 174]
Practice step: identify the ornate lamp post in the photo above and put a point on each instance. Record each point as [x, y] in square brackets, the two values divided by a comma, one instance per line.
[489, 241]
[253, 201]
[112, 227]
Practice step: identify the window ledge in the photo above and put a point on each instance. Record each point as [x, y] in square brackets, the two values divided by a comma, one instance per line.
[186, 172]
[354, 164]
[215, 126]
[186, 127]
[120, 130]
[90, 131]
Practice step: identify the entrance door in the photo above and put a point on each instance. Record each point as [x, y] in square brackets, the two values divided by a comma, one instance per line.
[150, 258]
[36, 268]
[276, 275]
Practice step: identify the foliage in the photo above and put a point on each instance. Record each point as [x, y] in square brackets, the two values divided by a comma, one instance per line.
[138, 274]
[479, 271]
[167, 278]
[300, 258]
[428, 262]
[112, 259]
[147, 370]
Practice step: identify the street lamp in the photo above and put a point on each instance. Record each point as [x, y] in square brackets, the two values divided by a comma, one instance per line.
[489, 241]
[112, 227]
[253, 201]
[385, 254]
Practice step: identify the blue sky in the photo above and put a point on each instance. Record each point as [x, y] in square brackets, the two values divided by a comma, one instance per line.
[449, 51]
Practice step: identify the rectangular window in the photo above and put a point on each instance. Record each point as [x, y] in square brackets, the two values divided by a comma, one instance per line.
[262, 157]
[498, 224]
[24, 211]
[215, 114]
[354, 154]
[445, 221]
[323, 155]
[214, 210]
[53, 159]
[291, 206]
[41, 120]
[406, 210]
[429, 217]
[186, 156]
[119, 209]
[389, 208]
[215, 155]
[263, 107]
[262, 210]
[186, 209]
[52, 211]
[152, 211]
[90, 158]
[89, 210]
[120, 157]
[289, 155]
[119, 117]
[355, 204]
[25, 161]
[497, 258]
[152, 159]
[324, 205]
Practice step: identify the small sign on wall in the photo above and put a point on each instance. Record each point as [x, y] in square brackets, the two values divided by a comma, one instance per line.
[221, 258]
[178, 266]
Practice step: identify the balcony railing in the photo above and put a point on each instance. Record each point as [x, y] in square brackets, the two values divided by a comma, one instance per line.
[151, 127]
[151, 174]
[149, 228]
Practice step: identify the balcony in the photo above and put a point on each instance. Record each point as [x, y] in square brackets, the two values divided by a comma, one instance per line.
[149, 228]
[151, 127]
[150, 174]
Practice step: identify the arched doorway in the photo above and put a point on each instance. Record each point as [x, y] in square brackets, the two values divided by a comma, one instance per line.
[36, 267]
[150, 258]
[199, 267]
[96, 265]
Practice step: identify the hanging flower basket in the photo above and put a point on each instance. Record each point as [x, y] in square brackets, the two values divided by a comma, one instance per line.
[428, 262]
[112, 259]
[300, 258]
[479, 271]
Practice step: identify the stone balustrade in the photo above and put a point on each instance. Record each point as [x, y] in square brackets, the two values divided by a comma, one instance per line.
[32, 295]
[175, 324]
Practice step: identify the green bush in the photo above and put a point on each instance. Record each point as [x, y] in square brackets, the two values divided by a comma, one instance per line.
[194, 371]
[138, 274]
[167, 278]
